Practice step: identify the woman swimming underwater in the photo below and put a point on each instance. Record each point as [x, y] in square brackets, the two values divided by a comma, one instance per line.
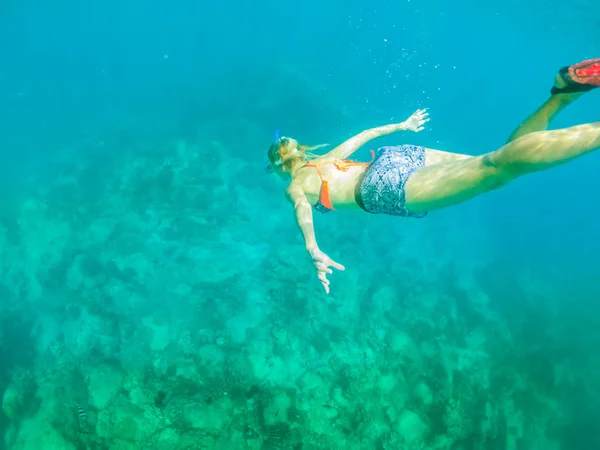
[409, 180]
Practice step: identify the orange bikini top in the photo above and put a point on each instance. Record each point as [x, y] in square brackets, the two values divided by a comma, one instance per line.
[324, 204]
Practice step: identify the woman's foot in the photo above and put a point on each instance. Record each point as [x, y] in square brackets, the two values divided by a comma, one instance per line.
[578, 78]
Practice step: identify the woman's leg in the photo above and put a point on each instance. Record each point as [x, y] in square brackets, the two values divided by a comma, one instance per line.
[538, 121]
[451, 178]
[452, 182]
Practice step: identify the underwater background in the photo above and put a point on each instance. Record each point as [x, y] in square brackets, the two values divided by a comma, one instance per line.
[154, 289]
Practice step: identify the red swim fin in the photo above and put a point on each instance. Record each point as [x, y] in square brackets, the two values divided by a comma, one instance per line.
[580, 77]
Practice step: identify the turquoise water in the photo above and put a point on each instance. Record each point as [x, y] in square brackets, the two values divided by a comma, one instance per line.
[154, 288]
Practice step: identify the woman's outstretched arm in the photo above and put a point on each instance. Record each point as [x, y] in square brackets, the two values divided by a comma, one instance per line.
[304, 218]
[413, 123]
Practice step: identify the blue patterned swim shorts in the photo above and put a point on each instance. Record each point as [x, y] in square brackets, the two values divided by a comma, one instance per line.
[381, 190]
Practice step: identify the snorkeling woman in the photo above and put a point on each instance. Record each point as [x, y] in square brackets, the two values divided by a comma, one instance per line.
[409, 180]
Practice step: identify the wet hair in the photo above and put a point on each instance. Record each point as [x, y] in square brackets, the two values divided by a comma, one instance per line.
[280, 159]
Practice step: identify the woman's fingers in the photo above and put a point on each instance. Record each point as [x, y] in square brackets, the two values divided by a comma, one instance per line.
[324, 281]
[323, 277]
[323, 263]
[322, 267]
[335, 265]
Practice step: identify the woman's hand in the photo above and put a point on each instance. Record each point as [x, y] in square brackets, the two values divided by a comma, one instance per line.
[322, 263]
[416, 121]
